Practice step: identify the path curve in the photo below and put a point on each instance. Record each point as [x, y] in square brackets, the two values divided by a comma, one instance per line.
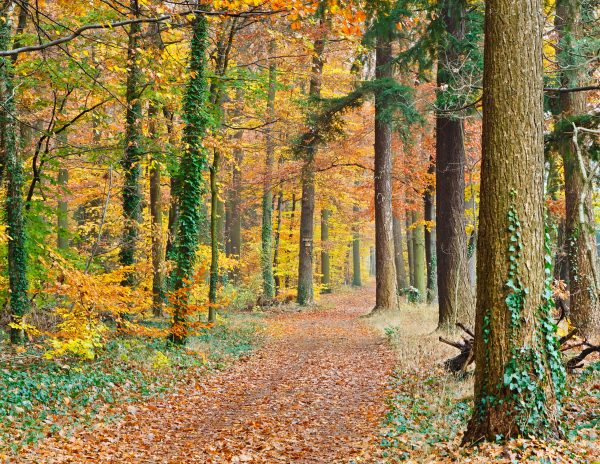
[314, 394]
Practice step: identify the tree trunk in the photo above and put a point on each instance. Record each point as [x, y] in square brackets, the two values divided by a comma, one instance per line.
[399, 255]
[156, 216]
[267, 200]
[386, 292]
[325, 264]
[356, 261]
[419, 255]
[62, 212]
[410, 249]
[519, 376]
[580, 234]
[430, 241]
[306, 253]
[14, 207]
[214, 236]
[193, 164]
[372, 262]
[276, 274]
[132, 195]
[454, 291]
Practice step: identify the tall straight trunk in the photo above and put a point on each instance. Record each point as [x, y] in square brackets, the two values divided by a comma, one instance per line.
[325, 264]
[420, 269]
[519, 376]
[386, 292]
[62, 210]
[410, 249]
[430, 240]
[454, 292]
[291, 231]
[132, 195]
[14, 207]
[173, 217]
[401, 277]
[307, 212]
[582, 253]
[356, 261]
[156, 217]
[193, 164]
[276, 275]
[234, 209]
[214, 236]
[267, 199]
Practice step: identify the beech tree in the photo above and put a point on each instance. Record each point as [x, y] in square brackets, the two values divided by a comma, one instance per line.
[519, 377]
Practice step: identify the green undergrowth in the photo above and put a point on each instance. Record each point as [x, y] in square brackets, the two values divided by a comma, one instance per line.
[41, 397]
[428, 411]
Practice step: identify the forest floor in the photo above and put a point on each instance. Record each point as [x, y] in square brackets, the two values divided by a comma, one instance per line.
[326, 387]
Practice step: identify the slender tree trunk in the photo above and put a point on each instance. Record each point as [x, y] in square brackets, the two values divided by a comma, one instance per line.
[356, 261]
[580, 233]
[430, 241]
[291, 232]
[267, 200]
[419, 255]
[386, 293]
[156, 216]
[519, 376]
[410, 249]
[132, 195]
[305, 264]
[372, 262]
[277, 275]
[214, 236]
[193, 164]
[325, 264]
[62, 211]
[399, 255]
[14, 207]
[455, 295]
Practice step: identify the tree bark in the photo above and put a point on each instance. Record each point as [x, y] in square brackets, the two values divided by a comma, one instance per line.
[582, 254]
[325, 264]
[267, 199]
[356, 261]
[306, 253]
[454, 291]
[276, 273]
[399, 255]
[419, 255]
[14, 206]
[410, 249]
[62, 211]
[386, 292]
[519, 376]
[132, 195]
[430, 241]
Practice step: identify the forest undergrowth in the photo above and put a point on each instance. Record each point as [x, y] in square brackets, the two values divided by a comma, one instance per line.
[428, 408]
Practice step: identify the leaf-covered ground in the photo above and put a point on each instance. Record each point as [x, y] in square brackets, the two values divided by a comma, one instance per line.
[315, 393]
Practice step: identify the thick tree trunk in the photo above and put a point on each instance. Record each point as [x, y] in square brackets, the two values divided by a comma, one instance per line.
[580, 231]
[132, 194]
[325, 264]
[456, 303]
[306, 253]
[267, 199]
[519, 375]
[419, 255]
[401, 277]
[14, 206]
[410, 249]
[386, 293]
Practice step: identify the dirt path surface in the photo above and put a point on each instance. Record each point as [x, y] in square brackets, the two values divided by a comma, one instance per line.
[314, 394]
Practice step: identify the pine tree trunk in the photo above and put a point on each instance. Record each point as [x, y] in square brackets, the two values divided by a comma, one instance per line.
[419, 255]
[325, 264]
[399, 255]
[519, 375]
[454, 291]
[386, 293]
[580, 232]
[267, 200]
[14, 206]
[306, 253]
[132, 195]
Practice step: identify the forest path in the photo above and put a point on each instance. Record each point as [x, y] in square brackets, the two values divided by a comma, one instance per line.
[314, 394]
